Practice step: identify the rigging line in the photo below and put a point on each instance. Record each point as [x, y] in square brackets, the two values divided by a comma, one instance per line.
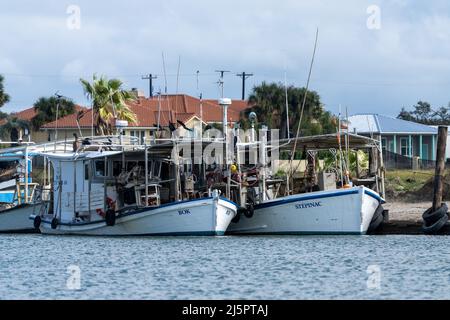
[176, 89]
[304, 101]
[164, 71]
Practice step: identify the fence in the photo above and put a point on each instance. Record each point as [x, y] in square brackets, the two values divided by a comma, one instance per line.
[397, 161]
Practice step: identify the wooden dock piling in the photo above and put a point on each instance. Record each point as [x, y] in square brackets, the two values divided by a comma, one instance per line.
[440, 167]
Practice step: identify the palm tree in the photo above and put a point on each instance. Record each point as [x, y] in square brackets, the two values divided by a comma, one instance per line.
[46, 110]
[4, 97]
[269, 102]
[11, 129]
[109, 101]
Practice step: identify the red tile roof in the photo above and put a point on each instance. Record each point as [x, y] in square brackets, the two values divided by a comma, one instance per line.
[29, 113]
[172, 108]
[26, 114]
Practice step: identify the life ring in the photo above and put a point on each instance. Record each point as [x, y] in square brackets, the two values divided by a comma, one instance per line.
[110, 217]
[54, 223]
[249, 211]
[37, 222]
[430, 216]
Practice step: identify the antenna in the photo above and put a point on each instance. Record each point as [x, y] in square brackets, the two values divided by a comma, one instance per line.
[197, 73]
[165, 75]
[244, 77]
[220, 82]
[150, 78]
[176, 90]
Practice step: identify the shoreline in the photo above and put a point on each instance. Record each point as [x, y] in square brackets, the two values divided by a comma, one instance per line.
[406, 218]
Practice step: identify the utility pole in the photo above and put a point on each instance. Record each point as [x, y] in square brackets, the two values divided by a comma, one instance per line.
[220, 82]
[244, 77]
[150, 78]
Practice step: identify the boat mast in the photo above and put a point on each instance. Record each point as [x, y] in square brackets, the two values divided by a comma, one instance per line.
[263, 161]
[303, 107]
[146, 174]
[224, 103]
[287, 121]
[26, 174]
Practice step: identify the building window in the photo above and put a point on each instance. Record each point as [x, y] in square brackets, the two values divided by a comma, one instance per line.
[391, 146]
[425, 151]
[140, 134]
[383, 143]
[404, 147]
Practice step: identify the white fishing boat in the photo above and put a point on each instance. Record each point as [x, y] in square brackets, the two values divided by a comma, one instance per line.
[332, 208]
[343, 211]
[108, 190]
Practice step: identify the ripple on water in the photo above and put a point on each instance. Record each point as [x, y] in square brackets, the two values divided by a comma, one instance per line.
[315, 267]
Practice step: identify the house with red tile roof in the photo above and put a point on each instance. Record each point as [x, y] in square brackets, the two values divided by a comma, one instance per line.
[27, 115]
[178, 109]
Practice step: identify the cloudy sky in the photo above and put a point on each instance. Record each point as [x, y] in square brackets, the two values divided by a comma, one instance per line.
[366, 61]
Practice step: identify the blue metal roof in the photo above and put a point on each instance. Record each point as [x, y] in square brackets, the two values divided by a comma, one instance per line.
[376, 123]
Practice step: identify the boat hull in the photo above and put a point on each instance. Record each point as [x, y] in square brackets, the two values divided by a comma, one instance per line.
[206, 216]
[16, 219]
[344, 211]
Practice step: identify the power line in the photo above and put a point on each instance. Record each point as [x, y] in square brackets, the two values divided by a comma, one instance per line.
[244, 77]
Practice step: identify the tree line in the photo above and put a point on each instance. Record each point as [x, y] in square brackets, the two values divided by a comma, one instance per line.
[268, 101]
[108, 98]
[423, 113]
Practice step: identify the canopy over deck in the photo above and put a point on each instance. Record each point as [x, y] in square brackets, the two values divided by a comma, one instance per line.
[329, 141]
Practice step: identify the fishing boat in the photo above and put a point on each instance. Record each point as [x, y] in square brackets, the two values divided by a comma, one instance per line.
[330, 205]
[18, 192]
[108, 188]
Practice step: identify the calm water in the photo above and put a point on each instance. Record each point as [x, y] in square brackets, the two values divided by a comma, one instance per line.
[335, 267]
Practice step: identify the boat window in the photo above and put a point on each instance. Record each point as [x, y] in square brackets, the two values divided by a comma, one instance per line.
[131, 165]
[157, 168]
[100, 168]
[86, 171]
[117, 168]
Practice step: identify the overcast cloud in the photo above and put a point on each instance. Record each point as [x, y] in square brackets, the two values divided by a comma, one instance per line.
[367, 70]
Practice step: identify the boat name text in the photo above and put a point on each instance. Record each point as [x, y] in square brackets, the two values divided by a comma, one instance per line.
[308, 205]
